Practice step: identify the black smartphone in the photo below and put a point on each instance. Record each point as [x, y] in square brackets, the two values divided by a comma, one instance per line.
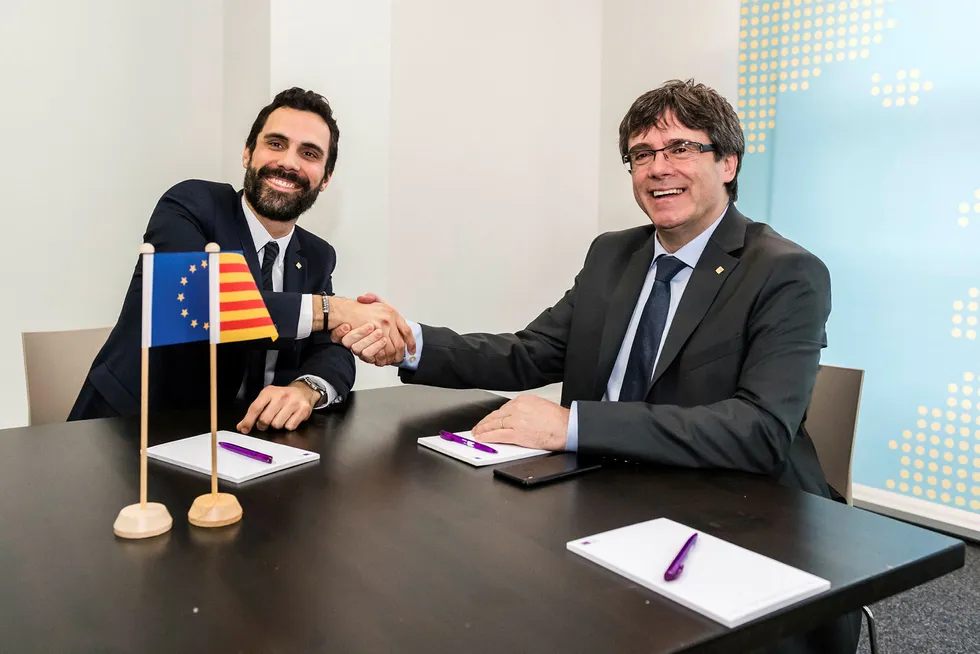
[546, 469]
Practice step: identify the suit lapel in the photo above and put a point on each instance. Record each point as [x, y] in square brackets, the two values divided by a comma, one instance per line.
[294, 266]
[248, 243]
[714, 267]
[620, 311]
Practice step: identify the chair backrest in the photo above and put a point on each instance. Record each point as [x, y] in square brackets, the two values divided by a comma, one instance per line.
[831, 421]
[56, 364]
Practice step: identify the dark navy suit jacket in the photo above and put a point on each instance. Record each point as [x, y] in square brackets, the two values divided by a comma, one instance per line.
[188, 217]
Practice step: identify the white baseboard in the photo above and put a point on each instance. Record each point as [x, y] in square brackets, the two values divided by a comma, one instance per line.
[964, 524]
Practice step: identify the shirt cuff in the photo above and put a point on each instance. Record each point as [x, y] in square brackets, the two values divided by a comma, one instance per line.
[411, 361]
[571, 437]
[305, 325]
[332, 395]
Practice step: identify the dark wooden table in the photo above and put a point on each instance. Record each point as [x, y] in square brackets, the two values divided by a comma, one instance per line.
[385, 546]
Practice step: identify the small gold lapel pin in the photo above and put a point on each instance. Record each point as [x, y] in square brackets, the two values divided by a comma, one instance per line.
[298, 265]
[718, 270]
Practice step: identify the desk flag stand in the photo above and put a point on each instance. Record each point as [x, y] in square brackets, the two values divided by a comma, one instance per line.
[146, 519]
[172, 307]
[214, 509]
[237, 313]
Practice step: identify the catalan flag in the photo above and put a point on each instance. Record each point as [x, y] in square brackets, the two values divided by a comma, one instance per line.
[237, 310]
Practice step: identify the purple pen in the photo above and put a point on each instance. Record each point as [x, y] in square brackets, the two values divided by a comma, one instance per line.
[677, 565]
[449, 436]
[244, 451]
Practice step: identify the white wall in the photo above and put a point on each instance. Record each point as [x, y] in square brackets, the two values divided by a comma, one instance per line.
[468, 150]
[246, 79]
[105, 104]
[644, 44]
[494, 188]
[342, 50]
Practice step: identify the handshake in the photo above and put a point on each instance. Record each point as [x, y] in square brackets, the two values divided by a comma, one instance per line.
[370, 328]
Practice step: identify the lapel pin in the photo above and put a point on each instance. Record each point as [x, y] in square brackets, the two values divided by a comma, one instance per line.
[299, 265]
[718, 270]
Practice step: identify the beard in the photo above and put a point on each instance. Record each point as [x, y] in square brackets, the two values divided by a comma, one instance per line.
[278, 205]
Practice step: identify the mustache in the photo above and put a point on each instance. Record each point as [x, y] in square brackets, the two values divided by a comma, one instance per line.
[288, 175]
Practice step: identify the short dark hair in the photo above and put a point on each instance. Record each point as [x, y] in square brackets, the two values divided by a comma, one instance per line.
[695, 106]
[301, 100]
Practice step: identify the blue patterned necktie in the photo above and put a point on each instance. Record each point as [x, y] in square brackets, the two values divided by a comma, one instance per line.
[649, 332]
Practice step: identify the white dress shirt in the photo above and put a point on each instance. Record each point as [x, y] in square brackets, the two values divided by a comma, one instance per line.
[260, 237]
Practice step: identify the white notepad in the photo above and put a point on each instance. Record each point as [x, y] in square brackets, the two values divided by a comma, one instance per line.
[194, 453]
[724, 582]
[474, 457]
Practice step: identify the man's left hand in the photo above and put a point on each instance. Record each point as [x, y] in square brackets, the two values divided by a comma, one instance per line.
[528, 421]
[280, 407]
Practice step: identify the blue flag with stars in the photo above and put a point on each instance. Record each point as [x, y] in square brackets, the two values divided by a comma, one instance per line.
[176, 304]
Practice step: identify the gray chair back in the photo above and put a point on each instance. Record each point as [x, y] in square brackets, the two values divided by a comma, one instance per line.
[831, 422]
[56, 364]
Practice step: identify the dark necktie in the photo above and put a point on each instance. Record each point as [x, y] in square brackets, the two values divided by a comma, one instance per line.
[255, 373]
[649, 332]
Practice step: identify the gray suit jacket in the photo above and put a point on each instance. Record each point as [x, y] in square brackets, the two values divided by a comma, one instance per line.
[735, 374]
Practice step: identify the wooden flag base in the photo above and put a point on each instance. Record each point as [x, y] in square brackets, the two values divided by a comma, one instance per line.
[142, 521]
[215, 510]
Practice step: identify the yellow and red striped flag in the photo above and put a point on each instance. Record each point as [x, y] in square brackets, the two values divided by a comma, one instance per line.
[237, 310]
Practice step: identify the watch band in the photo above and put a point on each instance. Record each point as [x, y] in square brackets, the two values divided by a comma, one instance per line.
[326, 305]
[315, 386]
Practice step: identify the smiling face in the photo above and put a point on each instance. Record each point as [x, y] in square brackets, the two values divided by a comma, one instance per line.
[681, 198]
[285, 172]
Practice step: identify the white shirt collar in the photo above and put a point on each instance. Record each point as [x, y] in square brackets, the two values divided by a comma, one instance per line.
[691, 252]
[260, 236]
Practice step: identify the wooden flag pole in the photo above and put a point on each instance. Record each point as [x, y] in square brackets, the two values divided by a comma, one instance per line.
[214, 509]
[145, 519]
[144, 421]
[214, 418]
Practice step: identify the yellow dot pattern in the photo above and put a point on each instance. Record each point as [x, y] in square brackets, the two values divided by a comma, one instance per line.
[965, 325]
[905, 89]
[953, 459]
[964, 208]
[784, 46]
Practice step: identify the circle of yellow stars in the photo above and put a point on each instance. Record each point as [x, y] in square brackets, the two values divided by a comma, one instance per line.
[180, 296]
[942, 460]
[964, 208]
[894, 92]
[783, 43]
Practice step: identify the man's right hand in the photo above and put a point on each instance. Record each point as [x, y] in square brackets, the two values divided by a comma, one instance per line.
[371, 329]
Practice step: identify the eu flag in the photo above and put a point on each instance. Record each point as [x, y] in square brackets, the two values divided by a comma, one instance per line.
[175, 298]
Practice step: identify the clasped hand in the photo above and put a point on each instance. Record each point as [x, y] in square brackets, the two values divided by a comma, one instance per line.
[527, 420]
[371, 329]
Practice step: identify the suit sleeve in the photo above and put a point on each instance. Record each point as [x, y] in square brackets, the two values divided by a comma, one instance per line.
[531, 358]
[753, 430]
[321, 357]
[183, 221]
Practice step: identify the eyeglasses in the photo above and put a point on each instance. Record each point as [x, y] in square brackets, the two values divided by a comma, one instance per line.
[680, 151]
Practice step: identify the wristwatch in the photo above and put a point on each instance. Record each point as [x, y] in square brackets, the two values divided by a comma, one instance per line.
[315, 386]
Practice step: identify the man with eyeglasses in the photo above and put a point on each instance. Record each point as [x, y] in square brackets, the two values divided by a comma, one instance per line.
[693, 341]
